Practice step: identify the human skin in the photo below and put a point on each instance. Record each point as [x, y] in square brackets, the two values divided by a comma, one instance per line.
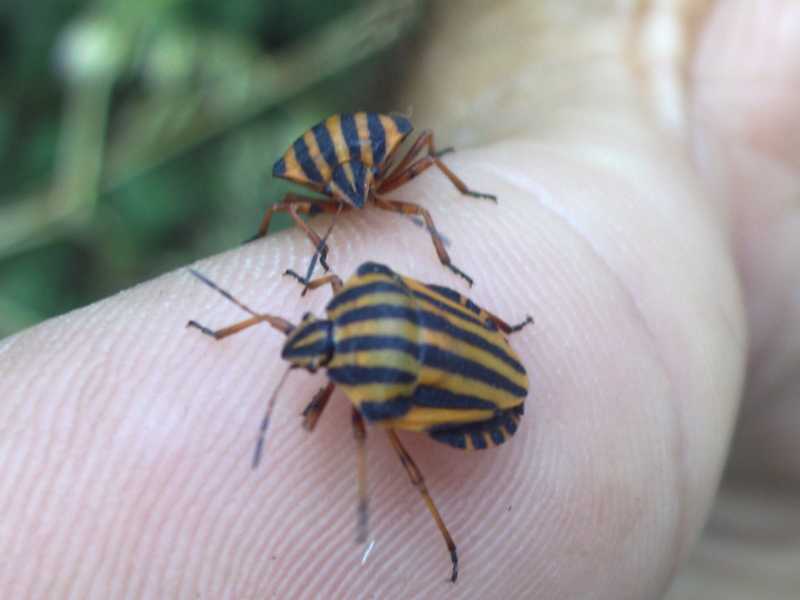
[648, 220]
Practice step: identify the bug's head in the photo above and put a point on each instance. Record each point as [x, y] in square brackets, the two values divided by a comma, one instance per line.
[310, 344]
[350, 183]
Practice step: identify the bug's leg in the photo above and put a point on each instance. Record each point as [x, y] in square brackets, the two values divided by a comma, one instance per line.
[295, 204]
[417, 480]
[406, 170]
[408, 208]
[503, 326]
[442, 152]
[362, 510]
[417, 147]
[319, 204]
[224, 332]
[313, 411]
[330, 278]
[424, 139]
[322, 250]
[278, 323]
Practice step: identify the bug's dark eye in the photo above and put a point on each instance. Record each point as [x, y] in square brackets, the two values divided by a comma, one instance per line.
[306, 316]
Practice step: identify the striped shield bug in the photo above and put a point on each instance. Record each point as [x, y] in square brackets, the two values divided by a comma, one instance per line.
[409, 356]
[350, 158]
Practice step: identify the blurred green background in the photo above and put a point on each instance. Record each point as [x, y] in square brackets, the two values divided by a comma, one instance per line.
[136, 137]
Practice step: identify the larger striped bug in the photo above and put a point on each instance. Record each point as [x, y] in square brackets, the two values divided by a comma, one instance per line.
[409, 356]
[349, 158]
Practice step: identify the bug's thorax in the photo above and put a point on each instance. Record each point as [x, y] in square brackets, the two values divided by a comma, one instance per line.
[310, 345]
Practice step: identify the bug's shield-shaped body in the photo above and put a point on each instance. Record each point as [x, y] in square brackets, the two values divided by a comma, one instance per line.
[424, 358]
[409, 356]
[344, 154]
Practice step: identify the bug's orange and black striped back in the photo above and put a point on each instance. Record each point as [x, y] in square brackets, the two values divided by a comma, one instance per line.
[342, 155]
[409, 356]
[423, 358]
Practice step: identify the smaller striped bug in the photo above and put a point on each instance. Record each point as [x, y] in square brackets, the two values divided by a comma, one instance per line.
[409, 356]
[349, 158]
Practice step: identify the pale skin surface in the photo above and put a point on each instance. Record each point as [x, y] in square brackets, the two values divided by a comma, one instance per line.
[656, 244]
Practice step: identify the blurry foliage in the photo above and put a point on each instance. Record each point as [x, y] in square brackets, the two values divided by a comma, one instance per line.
[136, 137]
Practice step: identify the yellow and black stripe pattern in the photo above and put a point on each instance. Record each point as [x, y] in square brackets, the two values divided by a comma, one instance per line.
[342, 155]
[417, 357]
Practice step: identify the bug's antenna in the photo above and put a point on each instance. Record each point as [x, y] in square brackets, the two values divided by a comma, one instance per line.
[262, 432]
[317, 253]
[224, 293]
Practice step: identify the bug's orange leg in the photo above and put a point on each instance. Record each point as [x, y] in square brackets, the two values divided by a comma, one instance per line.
[317, 205]
[313, 411]
[408, 208]
[422, 165]
[425, 139]
[224, 332]
[406, 171]
[295, 204]
[443, 151]
[320, 248]
[417, 147]
[362, 510]
[282, 325]
[417, 480]
[330, 278]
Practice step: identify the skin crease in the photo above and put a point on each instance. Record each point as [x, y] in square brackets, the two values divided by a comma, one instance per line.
[648, 221]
